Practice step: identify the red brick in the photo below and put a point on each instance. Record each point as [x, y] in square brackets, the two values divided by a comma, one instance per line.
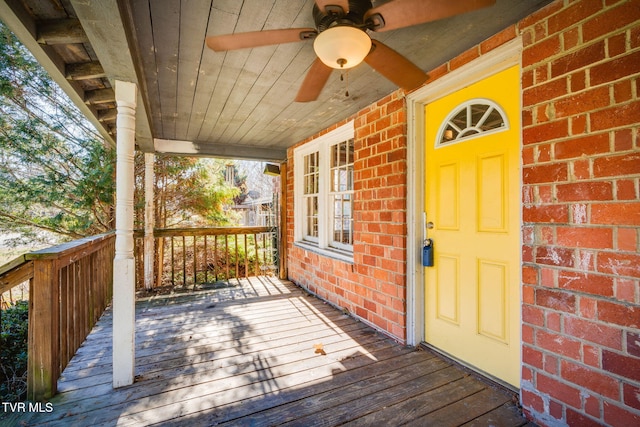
[553, 321]
[617, 116]
[578, 81]
[615, 213]
[556, 300]
[554, 172]
[464, 58]
[587, 283]
[548, 277]
[621, 165]
[539, 52]
[546, 132]
[619, 314]
[594, 332]
[633, 343]
[554, 255]
[532, 315]
[579, 125]
[572, 14]
[623, 14]
[578, 59]
[626, 290]
[559, 391]
[585, 237]
[614, 415]
[631, 396]
[529, 275]
[499, 39]
[531, 356]
[551, 365]
[545, 214]
[623, 140]
[543, 93]
[571, 38]
[618, 364]
[533, 401]
[575, 418]
[582, 102]
[622, 92]
[528, 295]
[584, 191]
[591, 356]
[588, 308]
[626, 190]
[588, 378]
[615, 69]
[627, 239]
[558, 344]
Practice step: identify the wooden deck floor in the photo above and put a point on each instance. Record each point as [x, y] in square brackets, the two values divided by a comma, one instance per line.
[265, 353]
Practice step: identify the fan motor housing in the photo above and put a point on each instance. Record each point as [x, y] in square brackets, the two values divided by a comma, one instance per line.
[355, 17]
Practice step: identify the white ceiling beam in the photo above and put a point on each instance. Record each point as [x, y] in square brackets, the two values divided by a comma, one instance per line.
[223, 151]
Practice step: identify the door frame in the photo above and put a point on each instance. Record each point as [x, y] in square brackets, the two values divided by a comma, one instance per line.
[499, 59]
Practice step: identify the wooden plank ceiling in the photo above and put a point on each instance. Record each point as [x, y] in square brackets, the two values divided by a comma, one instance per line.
[237, 104]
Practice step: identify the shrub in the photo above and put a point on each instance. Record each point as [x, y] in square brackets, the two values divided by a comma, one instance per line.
[13, 352]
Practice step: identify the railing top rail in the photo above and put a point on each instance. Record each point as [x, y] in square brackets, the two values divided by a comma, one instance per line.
[69, 248]
[209, 231]
[15, 272]
[13, 264]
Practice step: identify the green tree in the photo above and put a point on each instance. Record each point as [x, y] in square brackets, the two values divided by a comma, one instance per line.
[56, 174]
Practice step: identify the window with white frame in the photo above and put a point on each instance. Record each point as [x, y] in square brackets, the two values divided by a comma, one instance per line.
[323, 191]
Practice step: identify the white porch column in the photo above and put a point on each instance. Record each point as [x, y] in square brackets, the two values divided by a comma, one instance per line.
[149, 219]
[124, 264]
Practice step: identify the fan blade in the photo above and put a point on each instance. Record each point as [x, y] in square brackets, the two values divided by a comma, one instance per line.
[314, 82]
[395, 67]
[259, 38]
[329, 6]
[405, 13]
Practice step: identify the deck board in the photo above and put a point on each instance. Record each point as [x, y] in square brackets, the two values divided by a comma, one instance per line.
[250, 355]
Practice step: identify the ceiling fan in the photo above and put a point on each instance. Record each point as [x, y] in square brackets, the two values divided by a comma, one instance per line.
[341, 40]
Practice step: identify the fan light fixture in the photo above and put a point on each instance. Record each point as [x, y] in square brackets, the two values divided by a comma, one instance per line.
[342, 47]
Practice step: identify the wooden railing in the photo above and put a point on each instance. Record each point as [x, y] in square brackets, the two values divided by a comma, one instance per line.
[193, 256]
[70, 286]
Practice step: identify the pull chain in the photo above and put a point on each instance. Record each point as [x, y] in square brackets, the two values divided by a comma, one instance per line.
[344, 75]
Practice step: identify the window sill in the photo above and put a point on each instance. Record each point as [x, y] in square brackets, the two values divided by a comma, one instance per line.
[333, 253]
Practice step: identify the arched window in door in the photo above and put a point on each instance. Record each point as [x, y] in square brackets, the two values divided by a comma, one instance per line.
[470, 119]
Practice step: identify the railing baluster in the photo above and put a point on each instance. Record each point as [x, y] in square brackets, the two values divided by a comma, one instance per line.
[173, 279]
[264, 250]
[235, 236]
[195, 262]
[184, 262]
[257, 262]
[246, 257]
[215, 258]
[226, 251]
[206, 265]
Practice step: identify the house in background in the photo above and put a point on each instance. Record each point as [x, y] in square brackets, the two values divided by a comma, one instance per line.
[517, 164]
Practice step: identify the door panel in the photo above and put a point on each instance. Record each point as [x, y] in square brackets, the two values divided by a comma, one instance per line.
[472, 297]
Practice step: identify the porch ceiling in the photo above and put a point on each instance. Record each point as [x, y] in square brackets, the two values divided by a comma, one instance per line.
[237, 104]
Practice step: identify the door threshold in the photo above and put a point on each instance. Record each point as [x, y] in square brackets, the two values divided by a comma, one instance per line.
[480, 374]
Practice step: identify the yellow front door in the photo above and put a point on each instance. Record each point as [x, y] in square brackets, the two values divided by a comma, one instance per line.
[472, 309]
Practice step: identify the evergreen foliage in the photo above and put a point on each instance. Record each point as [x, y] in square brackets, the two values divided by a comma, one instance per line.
[56, 174]
[13, 352]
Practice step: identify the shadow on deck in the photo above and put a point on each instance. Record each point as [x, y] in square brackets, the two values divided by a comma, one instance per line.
[263, 352]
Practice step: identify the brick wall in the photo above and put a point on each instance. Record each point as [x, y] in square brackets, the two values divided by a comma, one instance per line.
[581, 213]
[373, 287]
